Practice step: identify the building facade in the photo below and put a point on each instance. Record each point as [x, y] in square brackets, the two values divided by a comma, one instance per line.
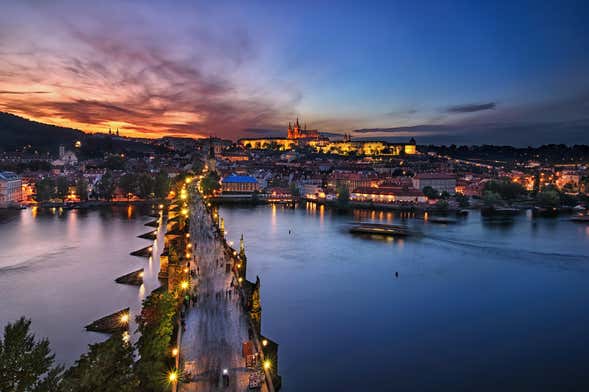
[10, 188]
[441, 182]
[388, 195]
[239, 184]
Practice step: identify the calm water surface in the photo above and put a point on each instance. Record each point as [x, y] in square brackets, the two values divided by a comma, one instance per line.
[477, 305]
[58, 268]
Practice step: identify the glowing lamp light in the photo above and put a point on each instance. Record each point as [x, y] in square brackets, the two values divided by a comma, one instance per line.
[173, 376]
[240, 279]
[187, 235]
[174, 351]
[267, 364]
[150, 248]
[264, 342]
[225, 371]
[124, 318]
[126, 337]
[184, 285]
[140, 274]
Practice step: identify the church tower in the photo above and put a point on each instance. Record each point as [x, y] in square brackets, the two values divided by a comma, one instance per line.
[289, 134]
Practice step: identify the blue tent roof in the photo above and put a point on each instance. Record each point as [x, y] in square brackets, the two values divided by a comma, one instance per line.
[239, 179]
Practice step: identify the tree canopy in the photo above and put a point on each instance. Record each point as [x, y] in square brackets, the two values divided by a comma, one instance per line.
[26, 365]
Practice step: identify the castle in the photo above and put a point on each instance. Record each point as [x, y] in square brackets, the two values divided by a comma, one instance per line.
[297, 137]
[295, 132]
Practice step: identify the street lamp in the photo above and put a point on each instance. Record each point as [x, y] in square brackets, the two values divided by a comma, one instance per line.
[174, 351]
[173, 376]
[267, 364]
[184, 285]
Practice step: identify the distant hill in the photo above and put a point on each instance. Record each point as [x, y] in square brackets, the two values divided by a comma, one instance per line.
[17, 132]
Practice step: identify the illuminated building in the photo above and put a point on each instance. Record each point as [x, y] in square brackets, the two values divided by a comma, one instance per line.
[295, 132]
[388, 195]
[239, 184]
[441, 182]
[10, 188]
[297, 136]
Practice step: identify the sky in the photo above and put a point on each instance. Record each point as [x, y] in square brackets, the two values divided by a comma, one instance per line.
[465, 72]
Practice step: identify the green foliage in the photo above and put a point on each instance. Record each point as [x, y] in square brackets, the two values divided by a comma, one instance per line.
[82, 188]
[508, 190]
[145, 185]
[107, 367]
[25, 364]
[442, 205]
[210, 183]
[294, 191]
[430, 192]
[114, 162]
[156, 325]
[548, 198]
[343, 196]
[128, 184]
[45, 189]
[492, 199]
[105, 188]
[62, 187]
[162, 185]
[462, 200]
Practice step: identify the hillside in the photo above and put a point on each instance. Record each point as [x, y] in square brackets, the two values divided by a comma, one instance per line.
[17, 132]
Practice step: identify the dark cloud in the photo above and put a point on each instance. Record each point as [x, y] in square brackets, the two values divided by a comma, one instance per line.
[22, 92]
[126, 74]
[471, 108]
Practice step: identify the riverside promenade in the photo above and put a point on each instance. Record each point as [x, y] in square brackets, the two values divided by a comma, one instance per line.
[217, 324]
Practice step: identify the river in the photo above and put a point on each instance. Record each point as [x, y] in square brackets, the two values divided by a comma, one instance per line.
[58, 269]
[477, 305]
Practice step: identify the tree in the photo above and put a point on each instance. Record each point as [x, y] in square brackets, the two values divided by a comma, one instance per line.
[62, 187]
[442, 205]
[210, 183]
[343, 196]
[106, 186]
[162, 185]
[128, 184]
[430, 192]
[294, 190]
[462, 200]
[145, 185]
[492, 199]
[82, 188]
[156, 325]
[26, 365]
[508, 190]
[45, 189]
[107, 367]
[548, 198]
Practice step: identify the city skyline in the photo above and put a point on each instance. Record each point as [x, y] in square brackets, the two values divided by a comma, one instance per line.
[442, 73]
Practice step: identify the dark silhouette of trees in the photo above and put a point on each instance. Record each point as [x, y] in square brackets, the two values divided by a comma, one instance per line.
[26, 365]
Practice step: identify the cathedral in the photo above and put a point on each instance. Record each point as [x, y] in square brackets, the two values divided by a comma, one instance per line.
[295, 132]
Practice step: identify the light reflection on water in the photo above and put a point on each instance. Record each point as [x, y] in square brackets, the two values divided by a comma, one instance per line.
[476, 304]
[58, 268]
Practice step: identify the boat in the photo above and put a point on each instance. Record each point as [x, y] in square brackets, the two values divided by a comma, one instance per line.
[381, 229]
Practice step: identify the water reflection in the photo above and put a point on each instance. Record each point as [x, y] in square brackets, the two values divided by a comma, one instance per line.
[59, 268]
[463, 294]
